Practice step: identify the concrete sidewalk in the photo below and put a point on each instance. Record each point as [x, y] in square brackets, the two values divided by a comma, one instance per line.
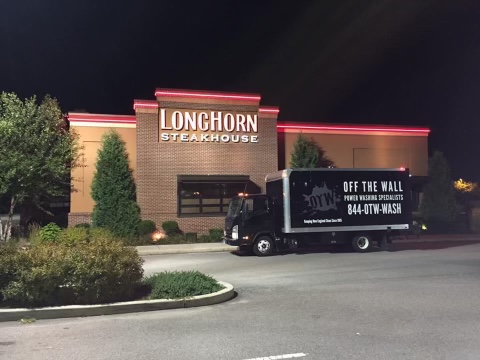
[218, 247]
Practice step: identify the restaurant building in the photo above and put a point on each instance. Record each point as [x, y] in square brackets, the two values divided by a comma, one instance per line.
[191, 151]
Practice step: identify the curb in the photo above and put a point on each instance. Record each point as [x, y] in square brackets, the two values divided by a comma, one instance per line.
[118, 308]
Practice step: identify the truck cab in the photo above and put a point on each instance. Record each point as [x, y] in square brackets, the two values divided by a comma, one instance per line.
[249, 223]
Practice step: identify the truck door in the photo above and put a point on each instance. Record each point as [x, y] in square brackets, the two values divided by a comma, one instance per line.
[257, 215]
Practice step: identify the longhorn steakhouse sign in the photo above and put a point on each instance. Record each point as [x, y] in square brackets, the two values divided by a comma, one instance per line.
[207, 126]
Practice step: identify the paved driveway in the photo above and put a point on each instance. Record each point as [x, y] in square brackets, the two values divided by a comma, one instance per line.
[420, 301]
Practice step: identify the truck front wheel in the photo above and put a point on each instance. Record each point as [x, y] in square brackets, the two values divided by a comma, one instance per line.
[362, 242]
[263, 246]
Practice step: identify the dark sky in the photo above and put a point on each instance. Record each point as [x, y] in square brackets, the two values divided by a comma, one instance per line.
[409, 62]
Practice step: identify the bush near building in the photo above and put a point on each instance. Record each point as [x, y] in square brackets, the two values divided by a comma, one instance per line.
[146, 227]
[171, 227]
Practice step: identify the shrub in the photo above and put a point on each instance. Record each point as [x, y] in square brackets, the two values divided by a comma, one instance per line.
[191, 237]
[41, 272]
[49, 274]
[105, 271]
[146, 227]
[33, 233]
[74, 235]
[138, 240]
[50, 233]
[216, 234]
[83, 225]
[98, 234]
[176, 285]
[171, 227]
[8, 267]
[205, 239]
[173, 239]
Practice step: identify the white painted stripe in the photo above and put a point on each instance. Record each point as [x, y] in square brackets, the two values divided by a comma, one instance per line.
[279, 357]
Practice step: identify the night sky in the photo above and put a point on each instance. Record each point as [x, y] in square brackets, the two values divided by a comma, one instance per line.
[409, 62]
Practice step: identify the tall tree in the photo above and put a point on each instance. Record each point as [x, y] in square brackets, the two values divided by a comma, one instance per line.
[113, 189]
[37, 152]
[307, 154]
[438, 206]
[323, 161]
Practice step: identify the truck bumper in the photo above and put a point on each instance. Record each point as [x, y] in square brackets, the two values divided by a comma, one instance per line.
[232, 242]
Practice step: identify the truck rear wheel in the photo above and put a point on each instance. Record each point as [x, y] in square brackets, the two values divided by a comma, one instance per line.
[263, 246]
[362, 242]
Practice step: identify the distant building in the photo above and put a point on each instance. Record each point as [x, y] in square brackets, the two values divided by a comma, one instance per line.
[191, 151]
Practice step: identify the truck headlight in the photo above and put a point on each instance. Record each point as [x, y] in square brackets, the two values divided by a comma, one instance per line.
[235, 232]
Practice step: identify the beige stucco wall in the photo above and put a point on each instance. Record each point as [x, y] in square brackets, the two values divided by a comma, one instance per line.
[90, 139]
[372, 150]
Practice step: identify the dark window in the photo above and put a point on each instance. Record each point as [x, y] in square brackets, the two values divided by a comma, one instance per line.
[206, 197]
[255, 206]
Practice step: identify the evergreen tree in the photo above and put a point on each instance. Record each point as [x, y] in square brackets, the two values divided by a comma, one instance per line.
[113, 189]
[438, 207]
[307, 154]
[323, 161]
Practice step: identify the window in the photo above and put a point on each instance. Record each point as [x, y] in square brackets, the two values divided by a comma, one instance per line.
[255, 206]
[203, 195]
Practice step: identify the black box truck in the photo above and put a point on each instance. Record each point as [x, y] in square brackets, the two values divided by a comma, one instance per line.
[321, 206]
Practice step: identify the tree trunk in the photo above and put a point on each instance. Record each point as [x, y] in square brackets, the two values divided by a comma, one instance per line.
[6, 231]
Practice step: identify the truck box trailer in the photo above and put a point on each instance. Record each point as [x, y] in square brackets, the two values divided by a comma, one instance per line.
[321, 206]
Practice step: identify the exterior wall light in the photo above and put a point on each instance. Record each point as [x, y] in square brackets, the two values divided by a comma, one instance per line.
[158, 235]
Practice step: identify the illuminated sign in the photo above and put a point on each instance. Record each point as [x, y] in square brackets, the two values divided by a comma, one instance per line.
[207, 126]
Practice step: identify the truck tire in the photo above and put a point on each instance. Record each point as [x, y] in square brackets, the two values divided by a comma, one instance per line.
[362, 242]
[263, 246]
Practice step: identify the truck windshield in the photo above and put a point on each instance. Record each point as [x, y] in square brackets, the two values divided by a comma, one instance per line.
[234, 207]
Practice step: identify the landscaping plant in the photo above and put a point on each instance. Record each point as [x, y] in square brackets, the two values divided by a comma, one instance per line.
[73, 270]
[171, 228]
[181, 284]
